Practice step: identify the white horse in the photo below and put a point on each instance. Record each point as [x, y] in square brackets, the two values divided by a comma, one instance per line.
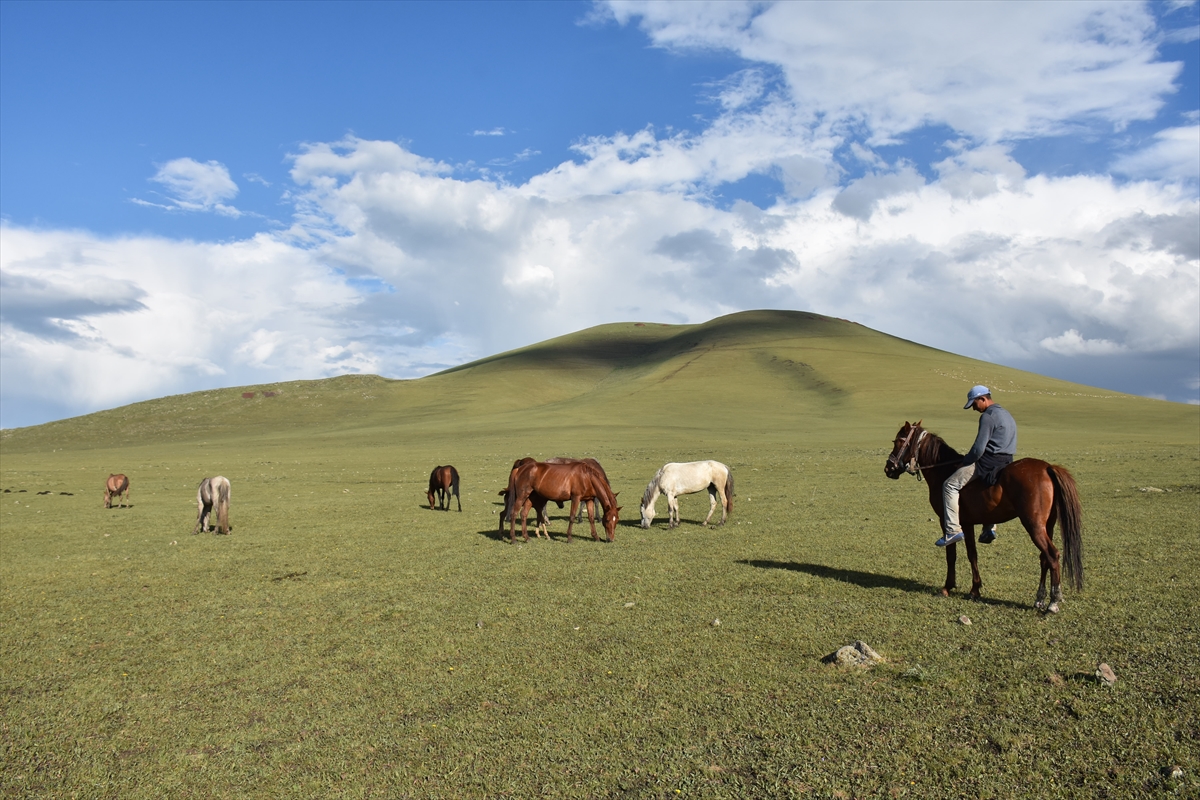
[695, 476]
[213, 497]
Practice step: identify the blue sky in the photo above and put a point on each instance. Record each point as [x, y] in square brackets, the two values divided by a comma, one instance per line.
[400, 187]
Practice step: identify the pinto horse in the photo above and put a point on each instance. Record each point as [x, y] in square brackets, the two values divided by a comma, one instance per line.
[538, 482]
[213, 495]
[674, 479]
[443, 482]
[1038, 493]
[116, 486]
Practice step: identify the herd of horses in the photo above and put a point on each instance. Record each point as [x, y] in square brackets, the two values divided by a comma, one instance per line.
[1041, 495]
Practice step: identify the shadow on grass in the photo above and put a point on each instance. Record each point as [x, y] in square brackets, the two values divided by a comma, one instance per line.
[867, 580]
[555, 536]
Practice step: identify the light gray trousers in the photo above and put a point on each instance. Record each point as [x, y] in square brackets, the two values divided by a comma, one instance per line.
[950, 489]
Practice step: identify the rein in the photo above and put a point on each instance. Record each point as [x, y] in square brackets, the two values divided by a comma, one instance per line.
[912, 467]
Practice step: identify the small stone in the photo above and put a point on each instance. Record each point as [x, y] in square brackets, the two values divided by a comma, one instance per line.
[479, 624]
[1176, 772]
[964, 619]
[1150, 489]
[629, 605]
[716, 623]
[1106, 675]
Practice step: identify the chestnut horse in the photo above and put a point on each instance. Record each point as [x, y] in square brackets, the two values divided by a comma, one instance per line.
[213, 496]
[543, 518]
[538, 482]
[117, 486]
[443, 481]
[1038, 493]
[536, 501]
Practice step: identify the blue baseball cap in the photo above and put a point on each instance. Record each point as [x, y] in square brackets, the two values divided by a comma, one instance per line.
[975, 393]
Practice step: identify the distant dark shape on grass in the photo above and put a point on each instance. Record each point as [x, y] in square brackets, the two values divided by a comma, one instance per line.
[116, 486]
[213, 495]
[443, 482]
[248, 395]
[272, 394]
[1041, 494]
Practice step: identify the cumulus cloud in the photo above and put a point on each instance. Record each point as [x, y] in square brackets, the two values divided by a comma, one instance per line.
[195, 186]
[997, 265]
[993, 71]
[1071, 343]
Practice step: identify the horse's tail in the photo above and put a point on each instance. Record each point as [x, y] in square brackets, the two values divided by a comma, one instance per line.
[222, 501]
[1070, 517]
[454, 480]
[728, 490]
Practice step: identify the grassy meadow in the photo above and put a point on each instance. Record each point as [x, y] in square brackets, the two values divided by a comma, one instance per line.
[347, 641]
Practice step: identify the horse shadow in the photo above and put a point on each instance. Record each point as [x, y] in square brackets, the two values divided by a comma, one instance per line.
[867, 580]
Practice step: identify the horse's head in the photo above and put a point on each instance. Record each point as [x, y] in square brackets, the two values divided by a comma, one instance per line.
[904, 450]
[647, 515]
[611, 517]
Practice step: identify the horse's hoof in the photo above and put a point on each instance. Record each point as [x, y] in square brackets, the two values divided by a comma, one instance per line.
[1053, 609]
[945, 592]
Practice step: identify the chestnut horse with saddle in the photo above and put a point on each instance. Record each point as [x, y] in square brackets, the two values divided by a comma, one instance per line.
[534, 483]
[1038, 493]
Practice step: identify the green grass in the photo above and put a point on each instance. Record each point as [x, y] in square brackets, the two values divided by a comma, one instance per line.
[347, 641]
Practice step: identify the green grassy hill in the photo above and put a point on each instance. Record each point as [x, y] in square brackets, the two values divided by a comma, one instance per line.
[758, 373]
[347, 641]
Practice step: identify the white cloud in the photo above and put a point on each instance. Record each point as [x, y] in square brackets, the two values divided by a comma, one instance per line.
[1071, 343]
[1175, 155]
[492, 132]
[998, 272]
[195, 186]
[992, 71]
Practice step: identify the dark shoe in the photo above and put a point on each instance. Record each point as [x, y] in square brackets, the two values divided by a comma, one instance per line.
[988, 536]
[950, 538]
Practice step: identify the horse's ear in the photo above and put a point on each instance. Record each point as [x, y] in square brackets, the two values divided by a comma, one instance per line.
[918, 423]
[615, 494]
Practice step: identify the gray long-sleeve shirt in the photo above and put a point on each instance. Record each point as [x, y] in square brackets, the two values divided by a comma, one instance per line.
[997, 434]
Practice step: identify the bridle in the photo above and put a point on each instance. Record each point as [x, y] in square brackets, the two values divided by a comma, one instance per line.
[912, 449]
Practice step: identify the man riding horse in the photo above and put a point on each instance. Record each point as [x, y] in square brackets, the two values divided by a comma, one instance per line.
[994, 447]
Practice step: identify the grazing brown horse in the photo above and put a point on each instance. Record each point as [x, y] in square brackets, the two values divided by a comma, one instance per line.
[1038, 493]
[591, 462]
[117, 486]
[536, 481]
[543, 518]
[443, 482]
[213, 495]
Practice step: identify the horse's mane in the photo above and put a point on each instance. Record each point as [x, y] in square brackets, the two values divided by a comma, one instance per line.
[934, 450]
[650, 487]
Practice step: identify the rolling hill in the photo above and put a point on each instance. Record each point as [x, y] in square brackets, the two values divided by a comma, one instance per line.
[755, 373]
